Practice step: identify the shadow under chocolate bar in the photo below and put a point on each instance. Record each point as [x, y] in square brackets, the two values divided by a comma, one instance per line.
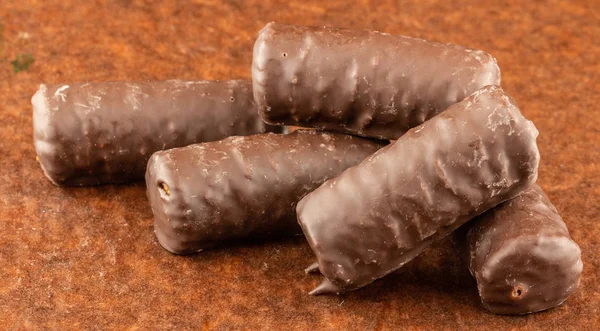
[214, 193]
[100, 133]
[380, 214]
[521, 255]
[365, 83]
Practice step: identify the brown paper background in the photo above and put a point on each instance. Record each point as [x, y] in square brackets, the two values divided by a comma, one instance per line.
[86, 258]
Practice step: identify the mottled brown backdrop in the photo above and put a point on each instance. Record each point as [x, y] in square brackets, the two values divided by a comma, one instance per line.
[86, 258]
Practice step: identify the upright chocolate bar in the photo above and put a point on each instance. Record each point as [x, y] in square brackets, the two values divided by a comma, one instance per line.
[365, 83]
[214, 193]
[98, 133]
[380, 214]
[522, 256]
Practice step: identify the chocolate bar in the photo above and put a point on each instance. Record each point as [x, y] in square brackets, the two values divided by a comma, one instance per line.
[369, 84]
[380, 214]
[216, 193]
[522, 256]
[100, 133]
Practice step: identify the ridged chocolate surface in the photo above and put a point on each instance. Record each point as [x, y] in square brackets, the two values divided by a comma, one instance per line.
[208, 194]
[366, 83]
[380, 214]
[98, 133]
[522, 256]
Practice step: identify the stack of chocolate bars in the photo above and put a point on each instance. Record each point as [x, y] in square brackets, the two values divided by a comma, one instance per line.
[405, 142]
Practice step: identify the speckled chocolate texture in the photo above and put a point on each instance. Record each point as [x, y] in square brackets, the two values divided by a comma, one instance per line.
[522, 255]
[211, 194]
[380, 214]
[365, 83]
[99, 133]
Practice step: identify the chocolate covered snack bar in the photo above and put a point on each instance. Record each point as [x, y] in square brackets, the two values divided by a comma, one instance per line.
[365, 83]
[211, 194]
[99, 133]
[522, 256]
[380, 214]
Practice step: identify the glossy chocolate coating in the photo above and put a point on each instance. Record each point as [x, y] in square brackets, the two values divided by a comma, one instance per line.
[365, 83]
[522, 256]
[380, 214]
[209, 194]
[98, 133]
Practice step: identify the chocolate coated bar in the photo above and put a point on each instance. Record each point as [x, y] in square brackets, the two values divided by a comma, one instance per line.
[380, 214]
[522, 255]
[365, 83]
[208, 194]
[97, 133]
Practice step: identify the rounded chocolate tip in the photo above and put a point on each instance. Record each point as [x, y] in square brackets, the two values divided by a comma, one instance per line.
[533, 274]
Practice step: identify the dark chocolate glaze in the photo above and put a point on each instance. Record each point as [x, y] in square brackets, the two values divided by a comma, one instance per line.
[380, 214]
[242, 187]
[522, 256]
[98, 133]
[365, 83]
